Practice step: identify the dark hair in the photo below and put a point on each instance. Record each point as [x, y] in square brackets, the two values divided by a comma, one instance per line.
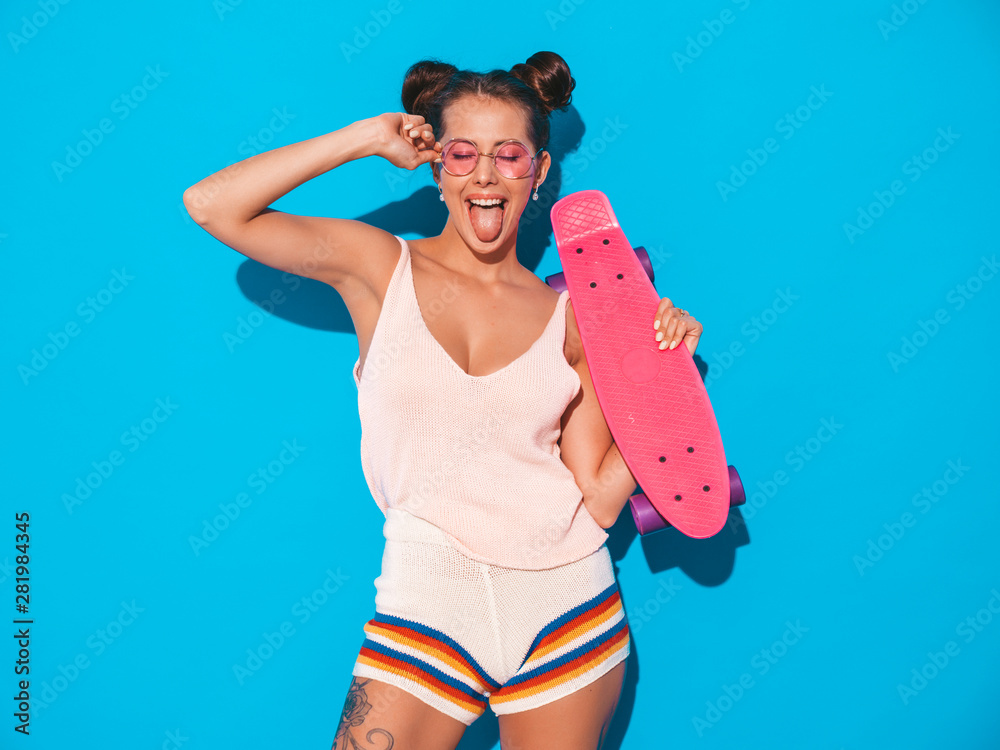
[539, 86]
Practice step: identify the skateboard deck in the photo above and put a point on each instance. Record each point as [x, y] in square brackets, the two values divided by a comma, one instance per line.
[653, 400]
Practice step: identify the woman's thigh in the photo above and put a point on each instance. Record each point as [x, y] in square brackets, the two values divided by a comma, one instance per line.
[379, 716]
[578, 721]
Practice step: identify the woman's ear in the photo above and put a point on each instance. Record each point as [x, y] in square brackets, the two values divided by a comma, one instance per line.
[544, 162]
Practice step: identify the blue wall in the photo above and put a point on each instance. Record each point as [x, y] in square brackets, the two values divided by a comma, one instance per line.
[816, 183]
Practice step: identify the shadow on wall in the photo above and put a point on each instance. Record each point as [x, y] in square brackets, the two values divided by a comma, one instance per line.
[313, 304]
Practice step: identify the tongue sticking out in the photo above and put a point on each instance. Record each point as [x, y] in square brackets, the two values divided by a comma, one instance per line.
[486, 221]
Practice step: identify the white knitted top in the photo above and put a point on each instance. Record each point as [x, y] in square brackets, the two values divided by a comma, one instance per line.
[474, 455]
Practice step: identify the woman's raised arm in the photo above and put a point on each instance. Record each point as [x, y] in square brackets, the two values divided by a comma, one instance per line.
[232, 204]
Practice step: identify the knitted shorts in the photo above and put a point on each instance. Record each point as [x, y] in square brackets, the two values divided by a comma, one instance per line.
[457, 633]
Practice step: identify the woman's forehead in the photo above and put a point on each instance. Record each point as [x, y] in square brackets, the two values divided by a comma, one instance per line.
[485, 121]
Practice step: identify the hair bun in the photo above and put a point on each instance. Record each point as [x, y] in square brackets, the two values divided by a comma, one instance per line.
[422, 82]
[548, 74]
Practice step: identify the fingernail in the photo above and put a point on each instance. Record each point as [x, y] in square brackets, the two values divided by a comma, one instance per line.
[663, 344]
[659, 336]
[656, 324]
[673, 344]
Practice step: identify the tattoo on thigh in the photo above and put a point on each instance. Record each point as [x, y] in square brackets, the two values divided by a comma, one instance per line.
[356, 708]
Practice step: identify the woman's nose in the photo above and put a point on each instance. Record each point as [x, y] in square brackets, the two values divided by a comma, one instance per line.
[485, 170]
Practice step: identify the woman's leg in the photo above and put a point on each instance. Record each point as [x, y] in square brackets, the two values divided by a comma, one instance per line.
[418, 681]
[379, 716]
[578, 721]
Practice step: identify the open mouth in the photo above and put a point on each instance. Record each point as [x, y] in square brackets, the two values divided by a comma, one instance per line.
[486, 216]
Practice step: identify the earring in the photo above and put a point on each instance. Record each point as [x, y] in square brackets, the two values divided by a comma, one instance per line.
[535, 196]
[440, 193]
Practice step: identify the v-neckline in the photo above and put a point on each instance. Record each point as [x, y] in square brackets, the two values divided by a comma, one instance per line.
[545, 330]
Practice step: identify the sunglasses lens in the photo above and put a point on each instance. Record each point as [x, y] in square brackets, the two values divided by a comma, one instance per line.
[513, 160]
[459, 157]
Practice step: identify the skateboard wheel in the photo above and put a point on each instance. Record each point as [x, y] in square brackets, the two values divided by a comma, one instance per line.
[647, 520]
[557, 281]
[736, 494]
[644, 259]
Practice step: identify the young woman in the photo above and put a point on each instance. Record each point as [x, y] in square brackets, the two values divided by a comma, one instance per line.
[482, 439]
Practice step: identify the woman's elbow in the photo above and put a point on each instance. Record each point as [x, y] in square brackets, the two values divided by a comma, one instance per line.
[604, 524]
[598, 513]
[196, 203]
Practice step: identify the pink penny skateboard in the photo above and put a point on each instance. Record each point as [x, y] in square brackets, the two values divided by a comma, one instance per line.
[653, 400]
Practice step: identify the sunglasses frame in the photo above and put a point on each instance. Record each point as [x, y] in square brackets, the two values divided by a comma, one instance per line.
[492, 157]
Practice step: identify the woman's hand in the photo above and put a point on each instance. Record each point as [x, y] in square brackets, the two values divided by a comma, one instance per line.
[405, 140]
[674, 325]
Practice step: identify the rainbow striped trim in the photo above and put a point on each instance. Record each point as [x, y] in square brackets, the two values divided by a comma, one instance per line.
[573, 644]
[431, 664]
[429, 658]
